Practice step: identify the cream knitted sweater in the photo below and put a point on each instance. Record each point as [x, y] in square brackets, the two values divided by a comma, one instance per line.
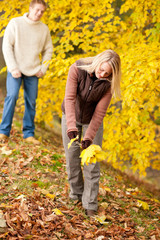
[23, 42]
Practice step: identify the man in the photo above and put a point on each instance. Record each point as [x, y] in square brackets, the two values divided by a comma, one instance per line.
[25, 38]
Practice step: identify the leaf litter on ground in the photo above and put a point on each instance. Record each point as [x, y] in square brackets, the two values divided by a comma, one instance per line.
[34, 200]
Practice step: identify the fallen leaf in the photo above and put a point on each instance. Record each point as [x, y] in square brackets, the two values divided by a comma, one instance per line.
[107, 189]
[21, 197]
[135, 209]
[153, 237]
[52, 196]
[100, 238]
[102, 192]
[27, 161]
[132, 189]
[104, 205]
[101, 220]
[50, 217]
[2, 220]
[110, 218]
[2, 236]
[3, 205]
[57, 211]
[155, 200]
[89, 236]
[140, 229]
[5, 151]
[142, 204]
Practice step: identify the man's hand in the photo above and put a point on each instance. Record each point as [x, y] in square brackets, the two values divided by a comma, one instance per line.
[85, 143]
[39, 74]
[72, 134]
[16, 73]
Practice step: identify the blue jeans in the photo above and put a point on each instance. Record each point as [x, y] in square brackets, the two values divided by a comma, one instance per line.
[30, 95]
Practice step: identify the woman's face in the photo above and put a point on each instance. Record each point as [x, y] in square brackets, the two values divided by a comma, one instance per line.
[103, 70]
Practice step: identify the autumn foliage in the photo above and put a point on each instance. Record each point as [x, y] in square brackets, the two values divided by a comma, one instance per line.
[86, 27]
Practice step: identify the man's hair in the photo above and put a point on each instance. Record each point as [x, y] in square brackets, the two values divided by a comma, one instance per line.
[33, 2]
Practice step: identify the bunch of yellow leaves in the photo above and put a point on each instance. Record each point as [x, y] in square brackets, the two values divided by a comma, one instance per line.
[92, 154]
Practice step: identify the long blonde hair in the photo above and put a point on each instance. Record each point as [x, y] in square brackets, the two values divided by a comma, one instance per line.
[112, 58]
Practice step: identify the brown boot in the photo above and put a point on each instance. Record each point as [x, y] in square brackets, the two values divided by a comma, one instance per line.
[90, 213]
[32, 140]
[3, 137]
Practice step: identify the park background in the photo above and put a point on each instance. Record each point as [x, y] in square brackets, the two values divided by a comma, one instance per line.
[34, 202]
[85, 28]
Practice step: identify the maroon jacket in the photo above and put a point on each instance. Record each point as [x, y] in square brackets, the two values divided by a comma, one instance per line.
[86, 100]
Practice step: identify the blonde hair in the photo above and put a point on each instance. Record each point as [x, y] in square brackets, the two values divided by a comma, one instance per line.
[112, 58]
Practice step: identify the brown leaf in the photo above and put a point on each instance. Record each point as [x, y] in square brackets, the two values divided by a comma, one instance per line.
[40, 222]
[27, 161]
[108, 217]
[34, 185]
[89, 236]
[153, 237]
[140, 229]
[102, 191]
[135, 209]
[51, 217]
[7, 217]
[71, 231]
[24, 216]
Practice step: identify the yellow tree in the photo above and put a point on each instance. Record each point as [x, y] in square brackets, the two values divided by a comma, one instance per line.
[87, 27]
[130, 133]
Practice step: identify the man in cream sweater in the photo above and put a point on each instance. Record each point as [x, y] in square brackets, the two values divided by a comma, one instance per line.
[25, 38]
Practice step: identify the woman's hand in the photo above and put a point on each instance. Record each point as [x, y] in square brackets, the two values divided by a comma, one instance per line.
[72, 134]
[85, 143]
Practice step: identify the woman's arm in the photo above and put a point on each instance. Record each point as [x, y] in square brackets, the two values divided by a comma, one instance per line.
[70, 98]
[98, 116]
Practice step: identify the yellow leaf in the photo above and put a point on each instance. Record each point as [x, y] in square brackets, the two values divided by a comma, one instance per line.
[46, 150]
[142, 204]
[92, 154]
[3, 205]
[57, 211]
[52, 196]
[40, 139]
[104, 205]
[102, 219]
[155, 200]
[107, 189]
[72, 140]
[132, 189]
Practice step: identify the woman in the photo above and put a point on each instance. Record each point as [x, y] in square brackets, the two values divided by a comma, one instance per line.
[90, 85]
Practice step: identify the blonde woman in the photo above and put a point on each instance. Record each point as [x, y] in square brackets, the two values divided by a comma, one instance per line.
[91, 83]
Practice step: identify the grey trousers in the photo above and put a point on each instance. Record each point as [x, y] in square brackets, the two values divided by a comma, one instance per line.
[83, 185]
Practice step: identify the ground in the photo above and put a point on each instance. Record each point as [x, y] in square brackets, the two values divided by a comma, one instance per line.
[34, 202]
